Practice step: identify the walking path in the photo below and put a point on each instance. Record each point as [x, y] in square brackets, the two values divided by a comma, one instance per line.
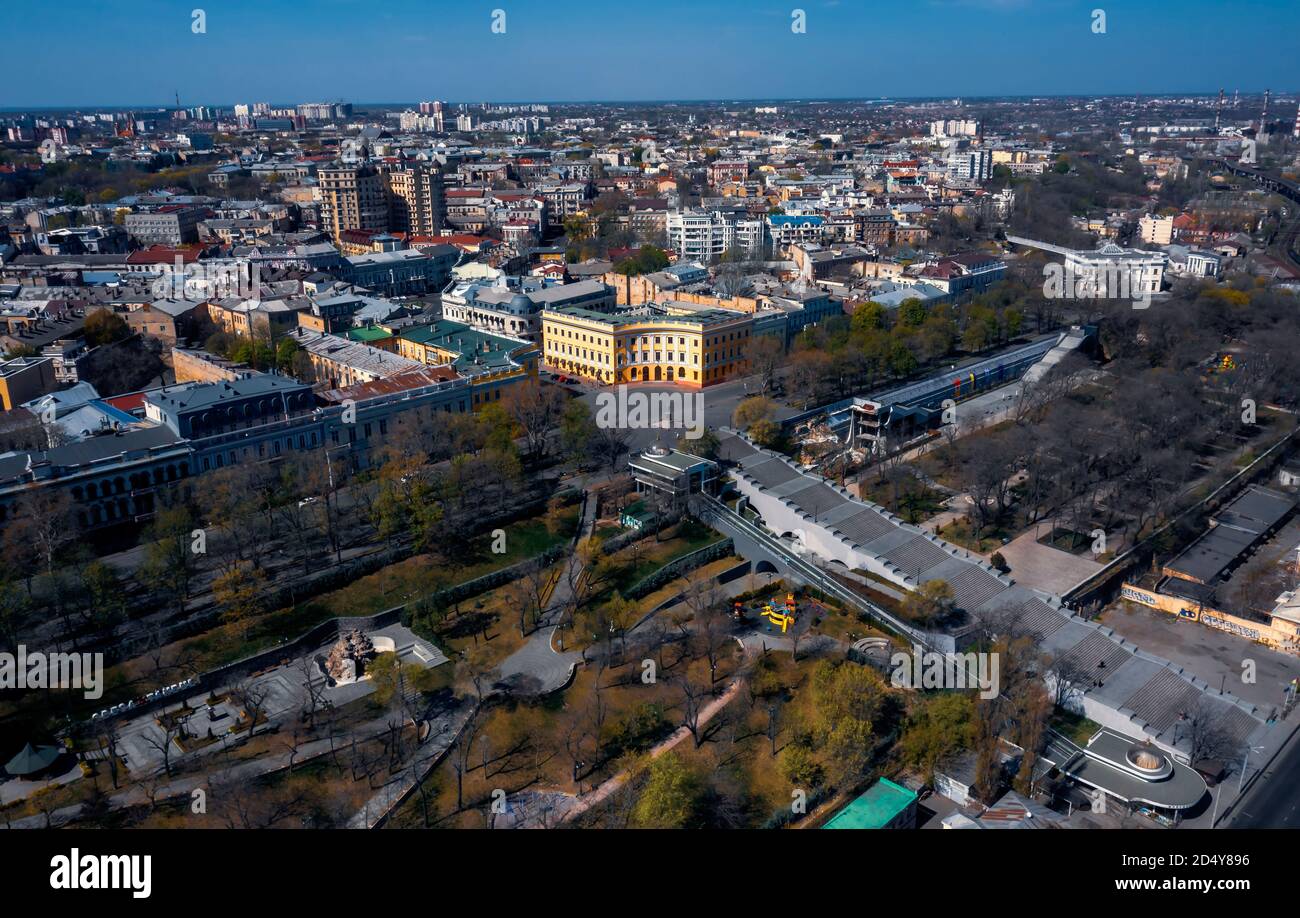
[537, 667]
[543, 808]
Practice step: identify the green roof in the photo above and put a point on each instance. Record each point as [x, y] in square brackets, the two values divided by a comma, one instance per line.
[875, 809]
[701, 318]
[368, 333]
[477, 351]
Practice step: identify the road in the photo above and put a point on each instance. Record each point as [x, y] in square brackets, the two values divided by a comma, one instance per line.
[1273, 801]
[720, 403]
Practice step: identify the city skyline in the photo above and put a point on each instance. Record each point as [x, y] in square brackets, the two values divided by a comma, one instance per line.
[1142, 50]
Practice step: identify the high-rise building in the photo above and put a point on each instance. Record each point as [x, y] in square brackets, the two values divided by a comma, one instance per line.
[415, 198]
[970, 165]
[352, 197]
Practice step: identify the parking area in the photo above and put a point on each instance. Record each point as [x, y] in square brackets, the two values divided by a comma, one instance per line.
[1213, 655]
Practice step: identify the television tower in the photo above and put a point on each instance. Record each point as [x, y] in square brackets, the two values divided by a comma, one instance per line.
[1234, 98]
[1296, 132]
[1218, 112]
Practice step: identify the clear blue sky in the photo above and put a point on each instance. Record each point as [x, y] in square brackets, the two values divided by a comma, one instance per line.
[107, 52]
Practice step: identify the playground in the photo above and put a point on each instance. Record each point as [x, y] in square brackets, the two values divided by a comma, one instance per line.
[789, 617]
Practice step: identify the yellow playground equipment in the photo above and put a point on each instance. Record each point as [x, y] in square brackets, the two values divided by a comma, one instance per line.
[777, 617]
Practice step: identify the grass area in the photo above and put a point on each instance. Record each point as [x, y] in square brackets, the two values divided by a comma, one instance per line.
[669, 590]
[1074, 727]
[393, 585]
[485, 627]
[961, 532]
[905, 495]
[645, 556]
[1076, 543]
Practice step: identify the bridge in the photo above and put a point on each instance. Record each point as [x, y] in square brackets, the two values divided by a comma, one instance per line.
[1286, 243]
[1265, 180]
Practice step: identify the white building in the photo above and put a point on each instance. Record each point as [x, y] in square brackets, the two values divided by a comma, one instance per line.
[1156, 230]
[970, 165]
[704, 235]
[1106, 272]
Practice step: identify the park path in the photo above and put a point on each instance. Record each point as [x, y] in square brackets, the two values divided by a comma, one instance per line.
[540, 809]
[241, 771]
[396, 789]
[537, 666]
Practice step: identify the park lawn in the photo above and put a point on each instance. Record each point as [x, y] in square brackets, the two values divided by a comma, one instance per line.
[420, 575]
[669, 590]
[961, 532]
[834, 621]
[485, 627]
[914, 501]
[1074, 727]
[645, 556]
[391, 586]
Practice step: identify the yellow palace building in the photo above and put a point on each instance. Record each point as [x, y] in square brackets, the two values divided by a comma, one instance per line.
[695, 347]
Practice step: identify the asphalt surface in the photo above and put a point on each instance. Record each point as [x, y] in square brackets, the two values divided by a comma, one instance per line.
[1273, 802]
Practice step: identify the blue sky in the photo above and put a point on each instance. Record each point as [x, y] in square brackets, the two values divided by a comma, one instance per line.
[108, 52]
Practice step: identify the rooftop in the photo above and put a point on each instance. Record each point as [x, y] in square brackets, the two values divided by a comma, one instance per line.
[875, 808]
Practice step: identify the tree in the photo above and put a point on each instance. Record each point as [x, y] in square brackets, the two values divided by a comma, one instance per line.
[705, 446]
[765, 355]
[799, 766]
[169, 559]
[752, 410]
[765, 432]
[240, 593]
[577, 430]
[286, 353]
[939, 728]
[670, 796]
[104, 594]
[866, 317]
[930, 603]
[103, 326]
[536, 409]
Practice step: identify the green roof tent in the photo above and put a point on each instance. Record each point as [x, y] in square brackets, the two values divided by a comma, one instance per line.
[885, 805]
[32, 759]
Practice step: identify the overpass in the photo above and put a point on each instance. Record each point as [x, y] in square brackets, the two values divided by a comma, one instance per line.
[1265, 180]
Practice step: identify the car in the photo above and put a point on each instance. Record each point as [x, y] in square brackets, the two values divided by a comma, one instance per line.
[307, 500]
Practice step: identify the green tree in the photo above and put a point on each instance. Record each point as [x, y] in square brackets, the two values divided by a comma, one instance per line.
[285, 353]
[169, 558]
[929, 603]
[670, 796]
[577, 430]
[799, 766]
[939, 727]
[103, 326]
[911, 312]
[868, 316]
[240, 592]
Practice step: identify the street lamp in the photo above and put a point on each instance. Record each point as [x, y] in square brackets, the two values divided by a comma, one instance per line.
[1245, 759]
